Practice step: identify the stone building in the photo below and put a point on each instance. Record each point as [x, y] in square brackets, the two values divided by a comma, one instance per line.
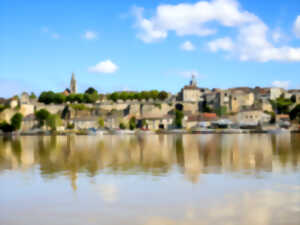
[241, 99]
[252, 117]
[191, 92]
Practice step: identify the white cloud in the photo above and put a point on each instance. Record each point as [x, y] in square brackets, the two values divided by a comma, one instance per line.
[45, 29]
[187, 46]
[224, 44]
[297, 27]
[90, 35]
[281, 84]
[55, 36]
[104, 67]
[204, 17]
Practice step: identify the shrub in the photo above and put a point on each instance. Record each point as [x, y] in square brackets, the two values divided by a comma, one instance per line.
[101, 122]
[122, 126]
[6, 127]
[178, 118]
[16, 121]
[132, 123]
[42, 115]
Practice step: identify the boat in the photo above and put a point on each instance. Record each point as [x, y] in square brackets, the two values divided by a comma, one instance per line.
[122, 132]
[95, 132]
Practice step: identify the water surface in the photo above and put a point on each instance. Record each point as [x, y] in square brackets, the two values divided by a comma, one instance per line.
[249, 179]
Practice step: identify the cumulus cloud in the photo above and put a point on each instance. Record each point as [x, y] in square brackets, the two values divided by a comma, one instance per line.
[297, 27]
[224, 44]
[55, 36]
[187, 46]
[106, 66]
[90, 35]
[281, 84]
[205, 17]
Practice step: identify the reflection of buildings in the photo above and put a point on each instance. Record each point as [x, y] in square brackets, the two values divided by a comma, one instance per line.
[153, 154]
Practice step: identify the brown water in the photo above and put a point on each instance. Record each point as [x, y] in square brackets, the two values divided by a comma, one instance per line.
[151, 180]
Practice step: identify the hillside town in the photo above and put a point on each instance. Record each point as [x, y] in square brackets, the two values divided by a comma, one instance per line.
[192, 109]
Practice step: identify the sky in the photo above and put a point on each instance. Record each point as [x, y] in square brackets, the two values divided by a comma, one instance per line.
[144, 45]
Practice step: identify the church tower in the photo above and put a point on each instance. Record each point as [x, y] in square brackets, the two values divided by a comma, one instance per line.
[73, 87]
[193, 82]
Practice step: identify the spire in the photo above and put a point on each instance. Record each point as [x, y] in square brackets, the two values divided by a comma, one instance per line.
[73, 87]
[193, 81]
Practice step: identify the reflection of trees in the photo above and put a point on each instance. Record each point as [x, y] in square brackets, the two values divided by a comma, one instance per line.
[153, 154]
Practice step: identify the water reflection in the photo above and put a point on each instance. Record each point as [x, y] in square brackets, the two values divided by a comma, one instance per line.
[151, 180]
[155, 155]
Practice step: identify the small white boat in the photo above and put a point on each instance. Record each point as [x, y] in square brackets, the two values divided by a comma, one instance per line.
[122, 132]
[95, 132]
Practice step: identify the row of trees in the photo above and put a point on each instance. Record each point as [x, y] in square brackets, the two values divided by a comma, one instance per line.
[125, 95]
[49, 97]
[91, 96]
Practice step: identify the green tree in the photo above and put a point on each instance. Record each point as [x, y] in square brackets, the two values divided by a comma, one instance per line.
[295, 113]
[221, 111]
[2, 107]
[154, 94]
[16, 121]
[47, 97]
[53, 121]
[91, 90]
[114, 96]
[293, 98]
[6, 127]
[42, 115]
[100, 122]
[90, 98]
[178, 118]
[59, 98]
[162, 95]
[122, 126]
[32, 96]
[132, 123]
[281, 105]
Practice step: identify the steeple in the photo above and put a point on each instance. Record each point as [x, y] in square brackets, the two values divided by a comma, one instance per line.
[193, 81]
[73, 87]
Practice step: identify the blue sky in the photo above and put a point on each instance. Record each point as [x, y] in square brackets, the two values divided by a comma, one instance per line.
[142, 44]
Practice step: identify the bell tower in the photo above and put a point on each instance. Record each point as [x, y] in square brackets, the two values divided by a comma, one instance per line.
[73, 86]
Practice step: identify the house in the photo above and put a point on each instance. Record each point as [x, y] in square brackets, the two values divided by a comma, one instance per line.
[155, 123]
[240, 99]
[202, 119]
[252, 117]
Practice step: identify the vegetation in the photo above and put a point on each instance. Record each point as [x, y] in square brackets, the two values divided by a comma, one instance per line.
[70, 126]
[16, 121]
[6, 127]
[124, 95]
[143, 123]
[295, 113]
[78, 107]
[32, 96]
[178, 118]
[101, 122]
[132, 123]
[2, 107]
[281, 105]
[206, 108]
[53, 121]
[42, 116]
[48, 97]
[122, 126]
[221, 111]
